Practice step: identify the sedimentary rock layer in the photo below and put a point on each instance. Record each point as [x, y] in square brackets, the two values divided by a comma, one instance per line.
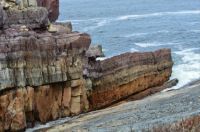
[121, 76]
[31, 17]
[172, 111]
[34, 59]
[20, 108]
[40, 77]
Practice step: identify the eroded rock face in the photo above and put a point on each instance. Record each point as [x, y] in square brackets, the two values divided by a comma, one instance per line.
[172, 111]
[40, 77]
[121, 76]
[44, 103]
[52, 7]
[36, 59]
[31, 17]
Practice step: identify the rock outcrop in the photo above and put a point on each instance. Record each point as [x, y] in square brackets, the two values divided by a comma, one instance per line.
[47, 71]
[121, 76]
[172, 111]
[32, 17]
[41, 78]
[52, 7]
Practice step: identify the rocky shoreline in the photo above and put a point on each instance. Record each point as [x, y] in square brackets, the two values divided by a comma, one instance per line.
[48, 71]
[176, 110]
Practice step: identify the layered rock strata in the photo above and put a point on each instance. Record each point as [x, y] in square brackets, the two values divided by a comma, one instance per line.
[41, 77]
[40, 72]
[32, 17]
[121, 76]
[172, 111]
[48, 72]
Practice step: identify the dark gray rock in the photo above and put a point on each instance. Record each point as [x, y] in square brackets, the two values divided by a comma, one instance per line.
[95, 51]
[32, 17]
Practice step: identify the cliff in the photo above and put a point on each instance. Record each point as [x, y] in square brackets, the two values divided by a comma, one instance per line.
[47, 71]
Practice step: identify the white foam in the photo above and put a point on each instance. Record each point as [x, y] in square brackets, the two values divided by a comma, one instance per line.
[98, 23]
[49, 124]
[146, 33]
[101, 58]
[134, 50]
[135, 34]
[80, 20]
[189, 70]
[154, 44]
[138, 16]
[195, 31]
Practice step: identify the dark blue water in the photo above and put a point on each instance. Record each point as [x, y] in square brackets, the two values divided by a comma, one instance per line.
[142, 25]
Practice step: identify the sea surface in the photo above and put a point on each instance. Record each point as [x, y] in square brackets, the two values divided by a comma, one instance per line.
[142, 25]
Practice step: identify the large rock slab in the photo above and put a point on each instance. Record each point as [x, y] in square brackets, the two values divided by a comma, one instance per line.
[118, 77]
[172, 111]
[31, 17]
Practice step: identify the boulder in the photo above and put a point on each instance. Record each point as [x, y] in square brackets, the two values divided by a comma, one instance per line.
[60, 27]
[95, 51]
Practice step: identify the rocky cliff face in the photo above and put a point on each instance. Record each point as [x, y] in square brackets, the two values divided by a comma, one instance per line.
[121, 76]
[31, 17]
[41, 77]
[52, 7]
[47, 71]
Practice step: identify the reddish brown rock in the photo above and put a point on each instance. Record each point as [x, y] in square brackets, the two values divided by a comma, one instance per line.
[18, 122]
[172, 111]
[66, 100]
[52, 7]
[75, 107]
[121, 76]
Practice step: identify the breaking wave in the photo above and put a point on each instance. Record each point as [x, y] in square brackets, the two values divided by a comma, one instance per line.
[99, 22]
[188, 12]
[154, 44]
[189, 69]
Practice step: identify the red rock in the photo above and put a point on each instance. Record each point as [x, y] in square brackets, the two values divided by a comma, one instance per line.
[66, 100]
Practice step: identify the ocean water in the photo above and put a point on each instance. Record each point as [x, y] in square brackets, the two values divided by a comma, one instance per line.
[142, 25]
